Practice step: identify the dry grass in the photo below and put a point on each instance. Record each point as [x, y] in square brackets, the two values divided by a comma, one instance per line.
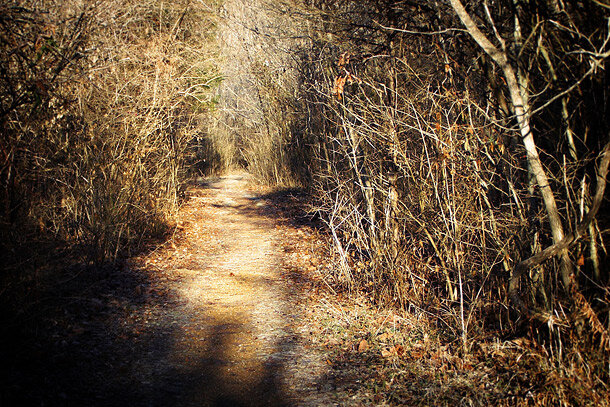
[258, 122]
[408, 139]
[423, 184]
[409, 359]
[98, 129]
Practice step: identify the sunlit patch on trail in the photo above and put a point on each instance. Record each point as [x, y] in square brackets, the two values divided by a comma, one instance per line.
[236, 329]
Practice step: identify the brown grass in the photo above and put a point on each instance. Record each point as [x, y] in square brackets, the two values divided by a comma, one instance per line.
[420, 176]
[406, 140]
[99, 117]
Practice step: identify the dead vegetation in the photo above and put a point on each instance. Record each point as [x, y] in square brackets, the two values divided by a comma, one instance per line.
[457, 152]
[461, 153]
[98, 118]
[100, 109]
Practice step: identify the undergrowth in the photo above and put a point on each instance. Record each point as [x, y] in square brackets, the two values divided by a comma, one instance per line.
[99, 119]
[414, 149]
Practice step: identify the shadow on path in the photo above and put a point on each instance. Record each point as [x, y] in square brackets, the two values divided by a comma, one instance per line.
[211, 321]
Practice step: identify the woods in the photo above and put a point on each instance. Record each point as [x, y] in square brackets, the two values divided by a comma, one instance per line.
[456, 151]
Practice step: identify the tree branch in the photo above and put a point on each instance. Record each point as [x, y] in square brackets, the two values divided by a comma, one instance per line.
[498, 56]
[566, 242]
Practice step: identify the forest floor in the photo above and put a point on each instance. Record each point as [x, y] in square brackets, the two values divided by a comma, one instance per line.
[235, 309]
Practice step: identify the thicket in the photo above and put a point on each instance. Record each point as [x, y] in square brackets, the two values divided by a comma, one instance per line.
[457, 152]
[100, 111]
[259, 122]
[460, 157]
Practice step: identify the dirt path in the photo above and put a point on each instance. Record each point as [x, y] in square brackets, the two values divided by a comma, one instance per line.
[231, 311]
[234, 333]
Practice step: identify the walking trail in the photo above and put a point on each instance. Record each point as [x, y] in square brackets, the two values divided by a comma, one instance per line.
[234, 333]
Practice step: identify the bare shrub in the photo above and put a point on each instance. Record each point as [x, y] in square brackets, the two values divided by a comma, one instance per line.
[260, 115]
[97, 112]
[429, 192]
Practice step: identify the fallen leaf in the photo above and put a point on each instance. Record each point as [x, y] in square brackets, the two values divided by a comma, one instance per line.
[385, 336]
[417, 354]
[339, 84]
[333, 342]
[363, 346]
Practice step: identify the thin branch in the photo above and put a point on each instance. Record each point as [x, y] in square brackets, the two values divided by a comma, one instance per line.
[599, 3]
[471, 27]
[565, 92]
[493, 26]
[566, 242]
[445, 31]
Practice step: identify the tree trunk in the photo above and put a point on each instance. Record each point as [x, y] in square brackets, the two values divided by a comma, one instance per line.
[521, 110]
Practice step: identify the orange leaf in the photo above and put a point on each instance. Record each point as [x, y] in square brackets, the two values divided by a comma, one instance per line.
[581, 260]
[344, 59]
[339, 84]
[363, 346]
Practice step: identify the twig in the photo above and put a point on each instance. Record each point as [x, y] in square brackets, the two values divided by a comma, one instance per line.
[567, 241]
